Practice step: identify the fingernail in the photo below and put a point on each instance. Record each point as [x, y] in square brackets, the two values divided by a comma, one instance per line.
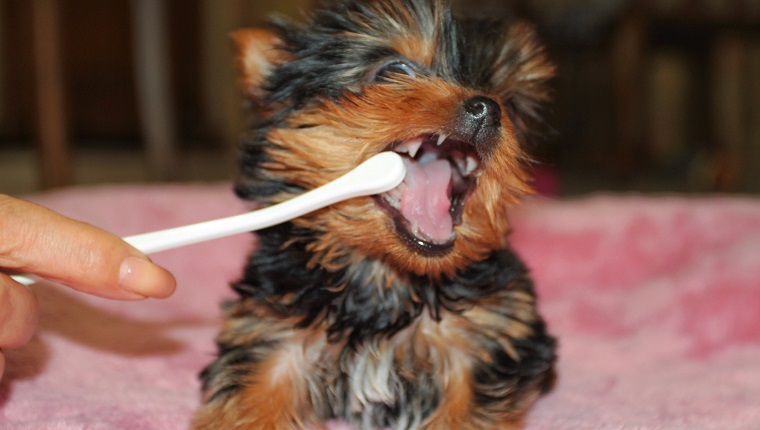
[142, 277]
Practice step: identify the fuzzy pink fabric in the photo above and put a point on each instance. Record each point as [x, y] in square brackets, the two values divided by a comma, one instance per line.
[655, 301]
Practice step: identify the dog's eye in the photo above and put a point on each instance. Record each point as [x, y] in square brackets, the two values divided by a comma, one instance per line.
[394, 68]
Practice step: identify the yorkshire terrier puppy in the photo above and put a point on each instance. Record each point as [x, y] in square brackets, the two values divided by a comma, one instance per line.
[405, 310]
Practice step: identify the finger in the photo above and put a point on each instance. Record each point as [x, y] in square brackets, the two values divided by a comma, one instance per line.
[37, 240]
[18, 313]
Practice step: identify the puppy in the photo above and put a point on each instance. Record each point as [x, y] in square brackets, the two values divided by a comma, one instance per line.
[405, 310]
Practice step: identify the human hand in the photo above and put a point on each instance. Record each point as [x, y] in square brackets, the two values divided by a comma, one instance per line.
[39, 241]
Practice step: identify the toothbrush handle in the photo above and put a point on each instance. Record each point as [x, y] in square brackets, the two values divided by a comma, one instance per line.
[376, 175]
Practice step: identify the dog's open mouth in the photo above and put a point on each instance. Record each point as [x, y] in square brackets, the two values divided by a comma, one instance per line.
[440, 174]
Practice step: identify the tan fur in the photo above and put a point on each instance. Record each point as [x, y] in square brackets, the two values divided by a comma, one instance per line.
[276, 393]
[297, 374]
[341, 136]
[258, 55]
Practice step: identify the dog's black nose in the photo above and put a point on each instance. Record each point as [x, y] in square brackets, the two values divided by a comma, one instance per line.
[483, 111]
[479, 123]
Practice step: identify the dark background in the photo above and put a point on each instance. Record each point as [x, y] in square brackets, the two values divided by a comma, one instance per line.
[652, 96]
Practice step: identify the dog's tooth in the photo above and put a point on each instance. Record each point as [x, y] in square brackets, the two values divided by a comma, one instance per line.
[458, 160]
[414, 147]
[410, 147]
[441, 139]
[394, 198]
[460, 164]
[472, 164]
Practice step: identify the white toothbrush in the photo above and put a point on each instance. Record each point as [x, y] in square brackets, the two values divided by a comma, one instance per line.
[378, 174]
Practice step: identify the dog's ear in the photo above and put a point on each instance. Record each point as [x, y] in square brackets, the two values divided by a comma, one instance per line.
[521, 76]
[258, 52]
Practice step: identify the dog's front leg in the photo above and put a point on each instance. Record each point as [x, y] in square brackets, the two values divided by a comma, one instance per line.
[273, 395]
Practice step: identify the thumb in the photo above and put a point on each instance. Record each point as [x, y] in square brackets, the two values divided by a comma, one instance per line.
[36, 240]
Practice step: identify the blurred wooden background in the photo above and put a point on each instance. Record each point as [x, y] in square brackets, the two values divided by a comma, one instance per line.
[655, 95]
[652, 95]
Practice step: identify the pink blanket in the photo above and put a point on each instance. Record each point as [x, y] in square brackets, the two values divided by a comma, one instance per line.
[656, 302]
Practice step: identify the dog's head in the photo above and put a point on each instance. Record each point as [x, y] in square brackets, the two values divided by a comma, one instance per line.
[454, 97]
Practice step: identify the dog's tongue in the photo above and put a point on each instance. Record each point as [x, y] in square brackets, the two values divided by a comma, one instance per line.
[425, 199]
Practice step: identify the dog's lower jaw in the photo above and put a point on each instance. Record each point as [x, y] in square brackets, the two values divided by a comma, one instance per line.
[476, 363]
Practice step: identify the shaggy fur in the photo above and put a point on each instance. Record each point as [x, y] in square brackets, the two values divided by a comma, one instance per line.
[354, 311]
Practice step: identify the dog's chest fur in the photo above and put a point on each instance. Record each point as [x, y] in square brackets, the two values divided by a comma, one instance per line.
[375, 352]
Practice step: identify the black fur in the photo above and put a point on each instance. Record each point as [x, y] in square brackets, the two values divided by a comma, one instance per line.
[368, 302]
[344, 301]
